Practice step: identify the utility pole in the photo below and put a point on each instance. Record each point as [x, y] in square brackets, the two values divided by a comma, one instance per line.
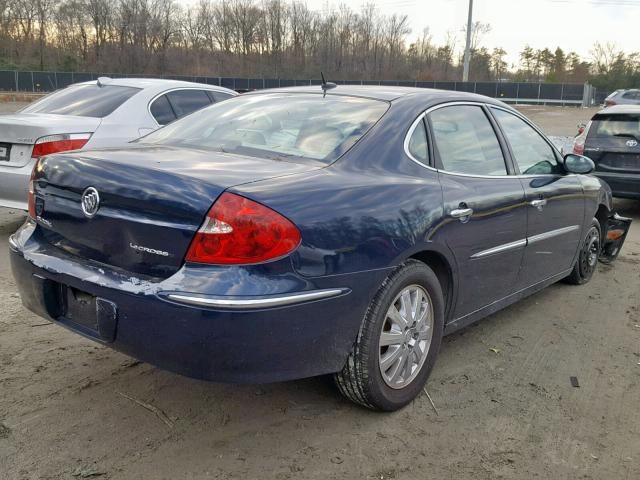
[467, 48]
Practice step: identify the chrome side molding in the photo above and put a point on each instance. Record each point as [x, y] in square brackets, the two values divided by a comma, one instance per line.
[525, 241]
[253, 303]
[501, 248]
[552, 233]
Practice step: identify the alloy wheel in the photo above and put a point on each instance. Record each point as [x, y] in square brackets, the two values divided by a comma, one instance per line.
[406, 336]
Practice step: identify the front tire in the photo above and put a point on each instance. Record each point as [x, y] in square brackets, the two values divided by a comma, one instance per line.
[398, 341]
[587, 261]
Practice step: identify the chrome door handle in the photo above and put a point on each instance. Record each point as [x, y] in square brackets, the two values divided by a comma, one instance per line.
[462, 213]
[539, 204]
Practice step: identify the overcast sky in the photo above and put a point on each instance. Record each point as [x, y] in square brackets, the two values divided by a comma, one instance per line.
[574, 25]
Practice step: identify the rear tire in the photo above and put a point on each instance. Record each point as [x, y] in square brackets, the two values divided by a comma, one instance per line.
[587, 261]
[398, 341]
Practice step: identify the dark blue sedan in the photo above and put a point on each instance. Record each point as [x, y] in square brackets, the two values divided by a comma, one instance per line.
[299, 232]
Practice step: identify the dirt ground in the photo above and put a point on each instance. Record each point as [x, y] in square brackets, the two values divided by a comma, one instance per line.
[72, 409]
[10, 107]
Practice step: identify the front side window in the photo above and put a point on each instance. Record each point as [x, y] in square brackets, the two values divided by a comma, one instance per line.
[418, 143]
[276, 126]
[466, 142]
[83, 100]
[530, 150]
[185, 102]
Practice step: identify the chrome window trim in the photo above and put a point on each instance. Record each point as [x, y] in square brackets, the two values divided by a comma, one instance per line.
[407, 140]
[477, 104]
[180, 88]
[253, 303]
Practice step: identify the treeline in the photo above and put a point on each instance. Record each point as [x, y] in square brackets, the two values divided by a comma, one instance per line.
[268, 38]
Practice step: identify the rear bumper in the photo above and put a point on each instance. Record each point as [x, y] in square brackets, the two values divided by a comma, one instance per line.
[299, 334]
[623, 185]
[14, 184]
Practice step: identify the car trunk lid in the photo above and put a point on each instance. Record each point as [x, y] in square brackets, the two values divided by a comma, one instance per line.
[152, 200]
[19, 132]
[614, 153]
[613, 142]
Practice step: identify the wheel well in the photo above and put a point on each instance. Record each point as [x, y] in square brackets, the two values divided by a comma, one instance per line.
[602, 215]
[442, 269]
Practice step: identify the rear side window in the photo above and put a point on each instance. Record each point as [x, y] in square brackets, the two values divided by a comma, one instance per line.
[185, 102]
[616, 125]
[84, 100]
[418, 143]
[162, 111]
[530, 150]
[219, 96]
[466, 142]
[632, 95]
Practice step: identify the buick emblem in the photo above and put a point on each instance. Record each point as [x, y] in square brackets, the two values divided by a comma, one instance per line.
[90, 202]
[632, 143]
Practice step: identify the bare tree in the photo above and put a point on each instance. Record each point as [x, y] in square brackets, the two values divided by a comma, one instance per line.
[275, 38]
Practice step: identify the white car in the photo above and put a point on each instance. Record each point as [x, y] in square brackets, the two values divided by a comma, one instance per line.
[103, 113]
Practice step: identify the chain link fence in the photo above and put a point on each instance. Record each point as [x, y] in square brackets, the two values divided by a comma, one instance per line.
[512, 92]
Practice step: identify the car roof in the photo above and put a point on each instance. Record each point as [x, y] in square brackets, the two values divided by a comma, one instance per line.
[620, 109]
[159, 83]
[385, 93]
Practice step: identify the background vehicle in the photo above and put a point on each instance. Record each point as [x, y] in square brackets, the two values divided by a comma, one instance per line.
[91, 115]
[623, 97]
[286, 234]
[612, 141]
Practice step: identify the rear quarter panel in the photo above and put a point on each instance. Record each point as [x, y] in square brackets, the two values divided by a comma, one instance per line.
[371, 209]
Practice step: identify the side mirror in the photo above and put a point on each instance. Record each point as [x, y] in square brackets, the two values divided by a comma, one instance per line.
[578, 164]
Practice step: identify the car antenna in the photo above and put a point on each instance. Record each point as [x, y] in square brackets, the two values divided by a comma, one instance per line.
[326, 85]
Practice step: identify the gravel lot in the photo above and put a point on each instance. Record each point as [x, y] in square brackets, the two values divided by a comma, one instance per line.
[505, 405]
[10, 107]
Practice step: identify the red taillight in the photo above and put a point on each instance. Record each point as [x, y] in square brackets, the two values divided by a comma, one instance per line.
[578, 147]
[31, 199]
[610, 103]
[59, 143]
[240, 231]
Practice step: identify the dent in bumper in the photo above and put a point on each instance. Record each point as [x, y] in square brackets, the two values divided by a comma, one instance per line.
[249, 343]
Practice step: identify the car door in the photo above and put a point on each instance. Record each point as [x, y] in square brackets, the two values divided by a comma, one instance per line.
[555, 201]
[485, 224]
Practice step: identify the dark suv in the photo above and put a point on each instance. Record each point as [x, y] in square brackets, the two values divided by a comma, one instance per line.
[612, 141]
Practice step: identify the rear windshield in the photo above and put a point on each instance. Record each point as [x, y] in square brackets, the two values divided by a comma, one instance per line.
[616, 125]
[84, 100]
[278, 126]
